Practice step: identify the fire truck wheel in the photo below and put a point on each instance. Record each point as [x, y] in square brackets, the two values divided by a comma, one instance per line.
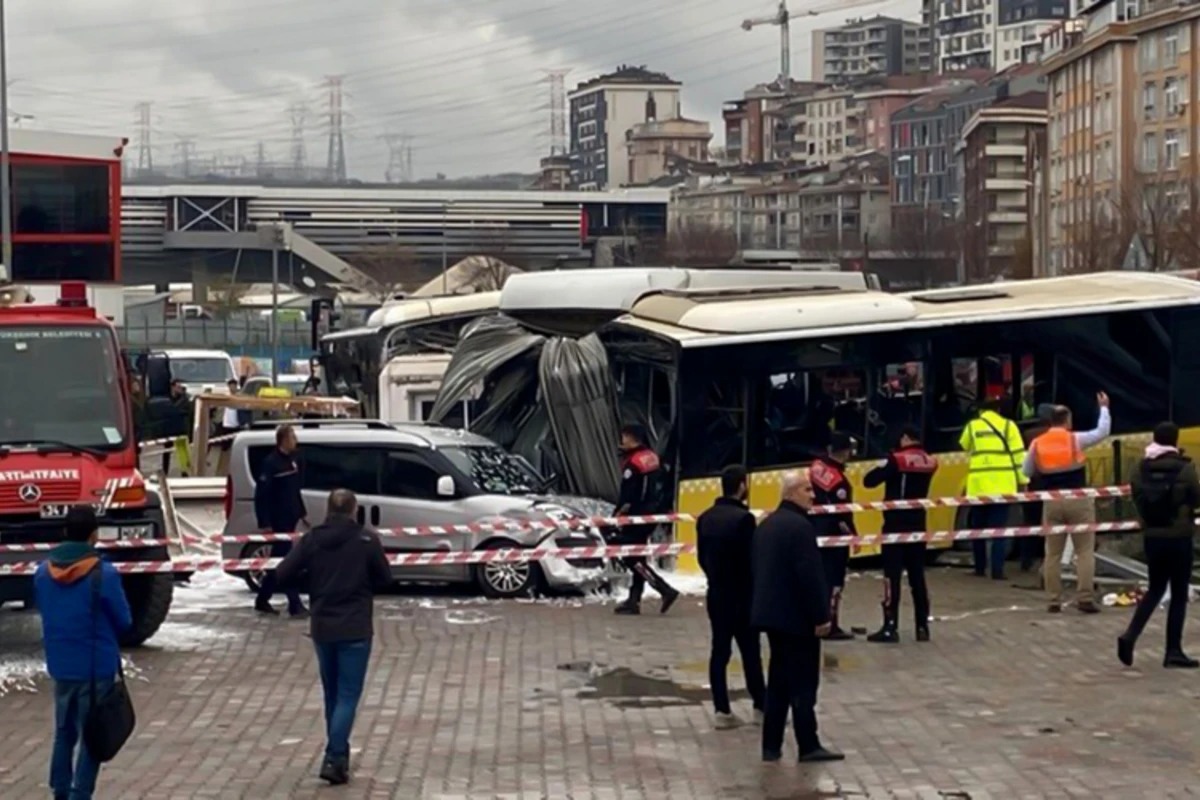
[149, 601]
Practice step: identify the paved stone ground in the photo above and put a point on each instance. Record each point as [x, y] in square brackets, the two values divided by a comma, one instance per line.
[470, 699]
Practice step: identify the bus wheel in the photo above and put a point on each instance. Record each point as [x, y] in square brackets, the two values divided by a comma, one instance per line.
[149, 600]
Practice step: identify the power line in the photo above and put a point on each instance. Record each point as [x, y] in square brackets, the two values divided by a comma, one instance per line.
[335, 166]
[145, 158]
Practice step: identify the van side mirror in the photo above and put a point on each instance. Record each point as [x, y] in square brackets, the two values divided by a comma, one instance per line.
[445, 486]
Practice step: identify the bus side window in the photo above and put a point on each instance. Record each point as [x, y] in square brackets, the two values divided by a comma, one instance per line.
[899, 400]
[801, 409]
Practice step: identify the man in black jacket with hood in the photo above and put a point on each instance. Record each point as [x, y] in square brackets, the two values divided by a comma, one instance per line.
[344, 565]
[791, 603]
[724, 538]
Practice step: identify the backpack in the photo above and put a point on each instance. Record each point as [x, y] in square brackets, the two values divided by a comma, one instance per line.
[1157, 501]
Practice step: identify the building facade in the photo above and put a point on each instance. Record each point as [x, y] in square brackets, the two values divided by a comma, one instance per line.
[993, 150]
[989, 34]
[757, 126]
[602, 110]
[651, 145]
[863, 47]
[1122, 125]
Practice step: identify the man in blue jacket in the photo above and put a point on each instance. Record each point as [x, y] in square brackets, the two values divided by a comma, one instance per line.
[81, 644]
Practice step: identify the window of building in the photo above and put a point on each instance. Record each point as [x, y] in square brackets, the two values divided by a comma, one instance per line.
[1150, 101]
[1171, 97]
[1185, 37]
[1170, 50]
[1150, 152]
[1148, 52]
[1171, 149]
[58, 199]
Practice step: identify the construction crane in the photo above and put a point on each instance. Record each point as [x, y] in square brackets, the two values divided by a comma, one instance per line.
[782, 17]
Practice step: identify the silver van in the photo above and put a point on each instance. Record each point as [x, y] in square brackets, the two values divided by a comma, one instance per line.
[409, 475]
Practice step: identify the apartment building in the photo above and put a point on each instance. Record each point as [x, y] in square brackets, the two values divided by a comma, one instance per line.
[1122, 123]
[994, 219]
[876, 46]
[603, 109]
[925, 133]
[879, 98]
[989, 34]
[757, 130]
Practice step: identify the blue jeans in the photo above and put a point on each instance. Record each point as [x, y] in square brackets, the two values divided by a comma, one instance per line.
[72, 699]
[993, 516]
[343, 672]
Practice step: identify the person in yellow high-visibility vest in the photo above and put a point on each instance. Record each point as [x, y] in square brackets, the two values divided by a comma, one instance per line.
[997, 453]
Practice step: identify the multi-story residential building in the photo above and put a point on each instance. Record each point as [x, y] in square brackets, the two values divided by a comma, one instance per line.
[989, 34]
[925, 175]
[831, 125]
[651, 145]
[1122, 121]
[756, 130]
[996, 239]
[603, 109]
[879, 98]
[862, 47]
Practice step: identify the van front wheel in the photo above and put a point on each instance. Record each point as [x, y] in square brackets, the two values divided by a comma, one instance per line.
[507, 579]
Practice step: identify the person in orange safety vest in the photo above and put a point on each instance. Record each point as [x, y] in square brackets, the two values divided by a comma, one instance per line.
[1057, 459]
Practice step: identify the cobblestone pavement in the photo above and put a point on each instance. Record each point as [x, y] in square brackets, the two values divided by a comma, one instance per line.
[560, 699]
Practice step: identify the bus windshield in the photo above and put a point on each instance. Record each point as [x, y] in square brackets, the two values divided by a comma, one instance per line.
[202, 370]
[61, 386]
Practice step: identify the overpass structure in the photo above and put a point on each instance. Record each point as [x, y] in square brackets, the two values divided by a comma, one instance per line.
[182, 232]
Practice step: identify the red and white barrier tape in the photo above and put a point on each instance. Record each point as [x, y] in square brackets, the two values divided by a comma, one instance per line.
[609, 551]
[980, 500]
[116, 544]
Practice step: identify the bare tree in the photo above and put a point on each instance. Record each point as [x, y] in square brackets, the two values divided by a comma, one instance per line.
[225, 296]
[392, 267]
[690, 244]
[1185, 232]
[1149, 206]
[489, 274]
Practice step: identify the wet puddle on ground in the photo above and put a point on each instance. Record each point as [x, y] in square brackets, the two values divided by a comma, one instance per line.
[624, 688]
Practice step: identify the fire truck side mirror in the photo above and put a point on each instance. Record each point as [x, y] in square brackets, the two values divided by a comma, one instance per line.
[158, 375]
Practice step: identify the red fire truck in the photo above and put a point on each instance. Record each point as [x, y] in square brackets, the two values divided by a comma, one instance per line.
[67, 438]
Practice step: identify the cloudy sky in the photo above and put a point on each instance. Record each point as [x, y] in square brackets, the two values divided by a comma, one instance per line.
[465, 79]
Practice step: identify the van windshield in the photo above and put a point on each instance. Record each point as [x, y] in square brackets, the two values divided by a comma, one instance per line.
[202, 370]
[493, 469]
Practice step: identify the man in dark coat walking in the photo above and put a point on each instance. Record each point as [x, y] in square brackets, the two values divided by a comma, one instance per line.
[279, 507]
[345, 566]
[791, 603]
[724, 538]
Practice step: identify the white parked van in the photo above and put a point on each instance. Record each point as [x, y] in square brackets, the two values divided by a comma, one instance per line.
[202, 370]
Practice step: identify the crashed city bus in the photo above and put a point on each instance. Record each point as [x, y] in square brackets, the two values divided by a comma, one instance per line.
[393, 364]
[760, 374]
[66, 439]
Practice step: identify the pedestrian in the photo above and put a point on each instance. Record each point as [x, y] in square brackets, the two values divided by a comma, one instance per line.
[1056, 459]
[344, 566]
[640, 493]
[232, 420]
[724, 541]
[996, 452]
[81, 641]
[279, 506]
[831, 487]
[791, 604]
[1166, 492]
[178, 416]
[906, 475]
[1032, 548]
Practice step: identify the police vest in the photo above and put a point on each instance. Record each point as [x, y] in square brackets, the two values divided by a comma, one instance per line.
[997, 454]
[1058, 459]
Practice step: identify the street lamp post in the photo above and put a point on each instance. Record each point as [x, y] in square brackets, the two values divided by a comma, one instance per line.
[5, 173]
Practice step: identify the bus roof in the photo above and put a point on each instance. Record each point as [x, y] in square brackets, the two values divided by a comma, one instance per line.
[700, 319]
[412, 311]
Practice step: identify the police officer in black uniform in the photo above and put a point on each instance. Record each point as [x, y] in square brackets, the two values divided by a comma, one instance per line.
[906, 475]
[830, 487]
[640, 493]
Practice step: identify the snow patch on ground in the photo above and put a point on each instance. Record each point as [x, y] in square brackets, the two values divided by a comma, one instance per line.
[21, 672]
[186, 637]
[210, 590]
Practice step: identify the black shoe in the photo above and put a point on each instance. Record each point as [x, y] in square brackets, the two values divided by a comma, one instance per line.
[299, 613]
[923, 633]
[668, 600]
[839, 635]
[1087, 607]
[628, 608]
[1180, 660]
[1000, 577]
[263, 607]
[885, 635]
[820, 755]
[333, 773]
[772, 755]
[1125, 650]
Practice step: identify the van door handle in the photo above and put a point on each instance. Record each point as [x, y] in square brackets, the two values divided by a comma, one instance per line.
[362, 516]
[374, 515]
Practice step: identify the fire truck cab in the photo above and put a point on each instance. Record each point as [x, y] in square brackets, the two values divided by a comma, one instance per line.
[67, 438]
